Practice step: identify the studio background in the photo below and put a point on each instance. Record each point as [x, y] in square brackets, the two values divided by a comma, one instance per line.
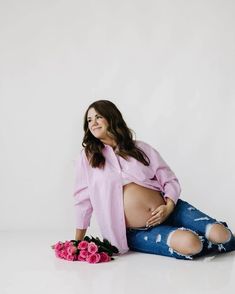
[169, 66]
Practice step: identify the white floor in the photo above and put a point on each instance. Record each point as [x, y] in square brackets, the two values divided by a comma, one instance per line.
[28, 265]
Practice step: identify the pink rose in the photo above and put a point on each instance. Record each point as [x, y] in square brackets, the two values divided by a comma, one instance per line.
[93, 258]
[81, 258]
[104, 257]
[71, 250]
[83, 245]
[92, 247]
[71, 257]
[83, 253]
[67, 244]
[57, 253]
[64, 254]
[59, 245]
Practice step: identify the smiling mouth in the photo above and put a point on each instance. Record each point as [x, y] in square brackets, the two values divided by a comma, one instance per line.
[96, 128]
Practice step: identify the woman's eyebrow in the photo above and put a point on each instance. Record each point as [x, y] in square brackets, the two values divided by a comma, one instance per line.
[95, 115]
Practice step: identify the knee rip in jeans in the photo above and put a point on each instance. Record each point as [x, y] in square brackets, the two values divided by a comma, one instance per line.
[220, 245]
[189, 256]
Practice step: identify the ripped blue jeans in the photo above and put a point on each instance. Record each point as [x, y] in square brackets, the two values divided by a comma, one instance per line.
[155, 240]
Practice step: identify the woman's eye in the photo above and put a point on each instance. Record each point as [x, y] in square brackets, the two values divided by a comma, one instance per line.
[98, 116]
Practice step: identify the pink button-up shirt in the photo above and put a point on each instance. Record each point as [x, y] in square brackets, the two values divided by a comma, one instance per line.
[101, 190]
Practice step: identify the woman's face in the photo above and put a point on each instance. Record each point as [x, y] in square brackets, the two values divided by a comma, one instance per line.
[97, 124]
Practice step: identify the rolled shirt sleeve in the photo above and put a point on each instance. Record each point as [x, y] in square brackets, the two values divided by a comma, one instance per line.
[82, 203]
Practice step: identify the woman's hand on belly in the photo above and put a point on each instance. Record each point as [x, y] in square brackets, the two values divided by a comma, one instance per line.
[138, 203]
[160, 214]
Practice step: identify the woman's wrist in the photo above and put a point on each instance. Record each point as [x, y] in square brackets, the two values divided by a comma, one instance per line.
[80, 233]
[170, 204]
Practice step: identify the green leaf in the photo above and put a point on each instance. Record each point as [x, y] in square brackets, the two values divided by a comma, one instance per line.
[86, 238]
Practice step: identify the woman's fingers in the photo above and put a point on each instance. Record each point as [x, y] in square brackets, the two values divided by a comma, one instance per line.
[154, 220]
[158, 216]
[157, 210]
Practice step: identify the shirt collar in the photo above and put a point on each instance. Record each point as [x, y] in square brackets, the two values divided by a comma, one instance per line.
[108, 146]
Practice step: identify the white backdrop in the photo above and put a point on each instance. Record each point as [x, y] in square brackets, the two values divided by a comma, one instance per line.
[169, 66]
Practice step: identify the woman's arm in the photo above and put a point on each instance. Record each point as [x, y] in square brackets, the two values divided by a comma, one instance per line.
[80, 234]
[165, 176]
[82, 203]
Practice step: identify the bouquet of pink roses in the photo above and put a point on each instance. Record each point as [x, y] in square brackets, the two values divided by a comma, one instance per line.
[90, 249]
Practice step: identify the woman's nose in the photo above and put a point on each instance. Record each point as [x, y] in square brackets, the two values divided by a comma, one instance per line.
[94, 123]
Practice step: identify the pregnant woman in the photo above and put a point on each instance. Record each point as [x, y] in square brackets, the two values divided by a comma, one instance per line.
[136, 196]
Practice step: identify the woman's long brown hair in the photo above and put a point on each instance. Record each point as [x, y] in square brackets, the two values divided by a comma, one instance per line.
[117, 129]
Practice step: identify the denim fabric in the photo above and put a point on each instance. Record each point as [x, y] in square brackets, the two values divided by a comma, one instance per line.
[185, 217]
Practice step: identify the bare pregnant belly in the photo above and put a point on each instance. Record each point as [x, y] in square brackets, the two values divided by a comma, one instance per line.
[138, 203]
